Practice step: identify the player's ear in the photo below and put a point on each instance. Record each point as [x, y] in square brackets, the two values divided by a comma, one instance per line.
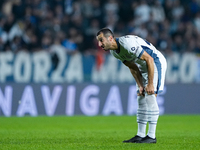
[110, 38]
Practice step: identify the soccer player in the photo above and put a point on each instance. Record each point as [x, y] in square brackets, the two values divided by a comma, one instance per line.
[148, 67]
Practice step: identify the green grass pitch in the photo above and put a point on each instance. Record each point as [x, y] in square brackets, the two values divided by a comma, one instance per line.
[174, 132]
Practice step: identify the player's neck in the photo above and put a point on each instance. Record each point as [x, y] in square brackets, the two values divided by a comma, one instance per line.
[114, 45]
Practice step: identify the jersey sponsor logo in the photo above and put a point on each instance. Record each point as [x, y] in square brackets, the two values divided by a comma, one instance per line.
[123, 57]
[128, 56]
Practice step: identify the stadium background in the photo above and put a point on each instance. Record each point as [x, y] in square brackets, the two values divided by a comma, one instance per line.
[50, 63]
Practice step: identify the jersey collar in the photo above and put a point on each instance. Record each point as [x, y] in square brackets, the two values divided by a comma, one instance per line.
[118, 45]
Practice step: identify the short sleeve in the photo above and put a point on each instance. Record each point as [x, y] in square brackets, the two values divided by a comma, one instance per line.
[130, 43]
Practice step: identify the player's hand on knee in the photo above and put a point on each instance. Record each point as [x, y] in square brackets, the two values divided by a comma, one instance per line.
[149, 89]
[141, 91]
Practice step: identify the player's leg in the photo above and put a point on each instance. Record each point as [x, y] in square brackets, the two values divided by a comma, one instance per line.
[153, 110]
[142, 116]
[141, 120]
[153, 114]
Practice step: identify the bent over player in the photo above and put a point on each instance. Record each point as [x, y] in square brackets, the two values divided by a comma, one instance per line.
[148, 67]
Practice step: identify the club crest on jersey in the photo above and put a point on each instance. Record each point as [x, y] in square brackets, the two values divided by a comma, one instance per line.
[135, 48]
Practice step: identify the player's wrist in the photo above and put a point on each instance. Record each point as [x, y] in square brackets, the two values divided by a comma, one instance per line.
[150, 82]
[140, 86]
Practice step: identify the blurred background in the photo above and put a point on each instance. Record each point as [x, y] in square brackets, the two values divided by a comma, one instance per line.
[50, 63]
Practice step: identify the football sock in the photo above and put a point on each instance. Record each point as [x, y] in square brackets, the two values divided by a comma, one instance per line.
[153, 114]
[142, 116]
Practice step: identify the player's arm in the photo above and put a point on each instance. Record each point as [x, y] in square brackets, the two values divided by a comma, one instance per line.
[150, 65]
[137, 75]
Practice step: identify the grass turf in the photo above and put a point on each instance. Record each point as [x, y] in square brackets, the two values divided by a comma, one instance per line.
[80, 132]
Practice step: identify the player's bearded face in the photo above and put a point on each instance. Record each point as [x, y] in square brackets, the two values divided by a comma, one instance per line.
[106, 45]
[103, 42]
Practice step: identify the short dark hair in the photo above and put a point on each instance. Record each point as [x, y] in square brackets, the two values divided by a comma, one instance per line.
[106, 32]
